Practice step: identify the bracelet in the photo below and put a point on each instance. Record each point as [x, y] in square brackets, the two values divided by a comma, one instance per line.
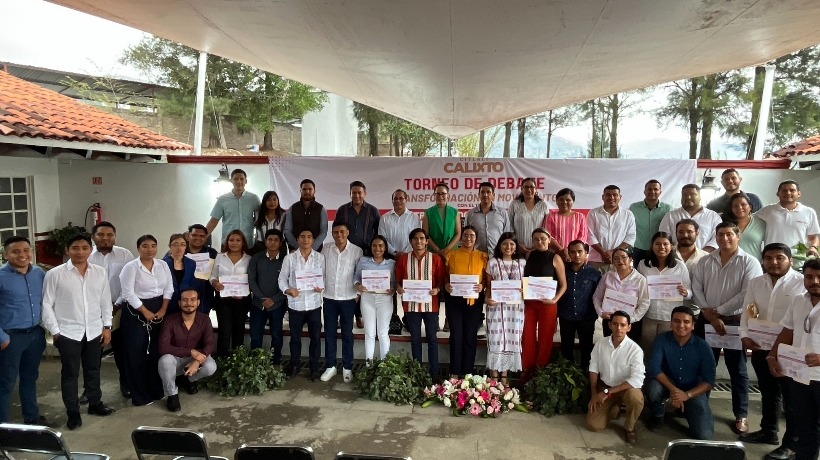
[688, 395]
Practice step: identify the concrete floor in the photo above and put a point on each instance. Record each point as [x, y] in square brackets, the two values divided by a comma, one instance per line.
[331, 417]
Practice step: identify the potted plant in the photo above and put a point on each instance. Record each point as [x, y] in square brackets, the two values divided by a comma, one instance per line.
[58, 238]
[397, 378]
[559, 388]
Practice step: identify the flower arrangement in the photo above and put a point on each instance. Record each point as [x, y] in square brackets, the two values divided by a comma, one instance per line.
[475, 395]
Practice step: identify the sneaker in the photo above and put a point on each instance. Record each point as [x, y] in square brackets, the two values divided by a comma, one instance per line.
[655, 424]
[100, 409]
[761, 437]
[74, 421]
[173, 403]
[348, 375]
[193, 388]
[329, 373]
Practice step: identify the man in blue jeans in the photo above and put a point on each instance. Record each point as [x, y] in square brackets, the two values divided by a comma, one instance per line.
[681, 368]
[269, 303]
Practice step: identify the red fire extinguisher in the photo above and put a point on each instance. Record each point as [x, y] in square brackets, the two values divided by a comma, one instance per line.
[96, 213]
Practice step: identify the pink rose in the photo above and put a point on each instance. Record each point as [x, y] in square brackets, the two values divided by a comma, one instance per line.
[490, 409]
[510, 405]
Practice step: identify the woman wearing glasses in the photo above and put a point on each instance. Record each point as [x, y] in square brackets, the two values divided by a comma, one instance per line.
[527, 212]
[628, 281]
[182, 268]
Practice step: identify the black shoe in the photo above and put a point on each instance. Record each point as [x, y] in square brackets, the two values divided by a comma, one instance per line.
[74, 421]
[761, 437]
[124, 392]
[100, 409]
[314, 376]
[83, 399]
[173, 403]
[182, 382]
[781, 453]
[193, 388]
[41, 421]
[654, 424]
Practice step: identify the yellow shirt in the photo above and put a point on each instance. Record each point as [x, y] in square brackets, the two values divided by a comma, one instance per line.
[462, 261]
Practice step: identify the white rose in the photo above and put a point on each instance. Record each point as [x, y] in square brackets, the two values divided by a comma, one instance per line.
[508, 396]
[447, 402]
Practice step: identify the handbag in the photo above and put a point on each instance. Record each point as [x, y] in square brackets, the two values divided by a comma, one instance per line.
[395, 325]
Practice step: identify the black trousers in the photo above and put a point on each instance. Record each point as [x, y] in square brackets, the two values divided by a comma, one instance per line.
[297, 320]
[464, 322]
[774, 392]
[803, 414]
[585, 328]
[231, 315]
[119, 360]
[74, 353]
[141, 353]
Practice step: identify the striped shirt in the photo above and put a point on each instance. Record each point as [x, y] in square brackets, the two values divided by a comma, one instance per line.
[565, 229]
[524, 221]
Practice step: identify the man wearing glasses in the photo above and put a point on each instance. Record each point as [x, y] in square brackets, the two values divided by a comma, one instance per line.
[610, 227]
[489, 221]
[197, 235]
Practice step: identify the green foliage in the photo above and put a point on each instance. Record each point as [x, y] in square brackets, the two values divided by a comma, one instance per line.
[245, 372]
[60, 236]
[398, 379]
[468, 146]
[374, 122]
[559, 388]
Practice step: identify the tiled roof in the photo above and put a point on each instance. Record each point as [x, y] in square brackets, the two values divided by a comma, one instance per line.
[807, 146]
[28, 110]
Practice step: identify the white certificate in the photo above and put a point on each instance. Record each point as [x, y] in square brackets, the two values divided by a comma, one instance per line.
[730, 341]
[309, 278]
[204, 264]
[664, 287]
[464, 286]
[234, 286]
[506, 291]
[793, 362]
[539, 287]
[376, 280]
[615, 300]
[764, 332]
[417, 291]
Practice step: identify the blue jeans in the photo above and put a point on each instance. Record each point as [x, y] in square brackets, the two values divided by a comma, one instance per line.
[430, 319]
[21, 358]
[339, 312]
[696, 410]
[273, 318]
[313, 318]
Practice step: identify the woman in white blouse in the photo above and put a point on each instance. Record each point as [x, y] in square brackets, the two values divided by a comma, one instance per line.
[147, 288]
[662, 261]
[527, 212]
[231, 311]
[625, 280]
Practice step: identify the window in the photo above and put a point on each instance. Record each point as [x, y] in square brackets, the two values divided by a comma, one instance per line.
[15, 207]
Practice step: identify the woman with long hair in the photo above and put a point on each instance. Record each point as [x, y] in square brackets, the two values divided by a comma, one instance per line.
[565, 225]
[377, 307]
[626, 280]
[752, 228]
[270, 215]
[231, 312]
[527, 212]
[182, 268]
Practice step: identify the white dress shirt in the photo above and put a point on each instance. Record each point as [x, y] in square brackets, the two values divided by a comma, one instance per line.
[789, 227]
[396, 230]
[113, 263]
[633, 284]
[615, 366]
[339, 268]
[306, 300]
[707, 221]
[609, 230]
[224, 266]
[660, 309]
[140, 283]
[74, 305]
[772, 299]
[802, 313]
[693, 259]
[724, 286]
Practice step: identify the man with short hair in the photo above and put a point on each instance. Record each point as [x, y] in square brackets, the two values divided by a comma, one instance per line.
[397, 223]
[682, 369]
[719, 284]
[576, 309]
[269, 303]
[112, 257]
[610, 227]
[687, 232]
[22, 339]
[185, 346]
[77, 310]
[340, 295]
[648, 215]
[789, 221]
[361, 217]
[306, 214]
[616, 374]
[236, 209]
[769, 295]
[692, 209]
[304, 306]
[731, 180]
[197, 236]
[488, 220]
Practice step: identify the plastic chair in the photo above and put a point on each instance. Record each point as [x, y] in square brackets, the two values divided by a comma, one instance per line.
[356, 456]
[251, 452]
[40, 440]
[184, 444]
[687, 449]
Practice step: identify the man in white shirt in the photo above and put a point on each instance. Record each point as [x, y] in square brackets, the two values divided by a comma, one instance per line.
[305, 305]
[339, 299]
[395, 225]
[111, 257]
[719, 284]
[801, 330]
[77, 312]
[616, 374]
[692, 209]
[789, 221]
[610, 227]
[686, 232]
[767, 298]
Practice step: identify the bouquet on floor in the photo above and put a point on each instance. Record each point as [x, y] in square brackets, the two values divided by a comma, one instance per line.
[475, 395]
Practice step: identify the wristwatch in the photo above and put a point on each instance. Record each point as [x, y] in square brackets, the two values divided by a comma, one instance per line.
[107, 328]
[606, 391]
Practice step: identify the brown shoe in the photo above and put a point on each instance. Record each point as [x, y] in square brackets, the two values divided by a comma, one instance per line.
[359, 323]
[741, 425]
[631, 437]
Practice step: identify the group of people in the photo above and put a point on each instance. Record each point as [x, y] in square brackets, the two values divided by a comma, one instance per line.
[599, 260]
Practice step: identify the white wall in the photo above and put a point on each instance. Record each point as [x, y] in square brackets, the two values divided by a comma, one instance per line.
[46, 187]
[764, 182]
[331, 131]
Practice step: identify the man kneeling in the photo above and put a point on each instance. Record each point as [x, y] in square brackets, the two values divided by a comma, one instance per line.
[616, 375]
[185, 345]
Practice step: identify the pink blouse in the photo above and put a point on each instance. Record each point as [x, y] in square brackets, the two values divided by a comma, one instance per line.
[566, 228]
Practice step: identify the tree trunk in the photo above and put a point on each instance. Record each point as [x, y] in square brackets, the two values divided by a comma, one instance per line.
[757, 101]
[594, 131]
[522, 129]
[267, 142]
[507, 135]
[694, 120]
[549, 132]
[399, 146]
[373, 132]
[707, 117]
[481, 153]
[613, 131]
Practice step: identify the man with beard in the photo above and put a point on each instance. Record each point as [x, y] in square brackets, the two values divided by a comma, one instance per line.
[306, 214]
[610, 227]
[686, 232]
[692, 209]
[648, 215]
[197, 235]
[789, 221]
[731, 183]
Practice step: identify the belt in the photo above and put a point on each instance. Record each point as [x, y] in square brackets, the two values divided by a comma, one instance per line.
[22, 331]
[730, 318]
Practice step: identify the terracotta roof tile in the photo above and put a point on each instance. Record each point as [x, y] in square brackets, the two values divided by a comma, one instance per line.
[29, 110]
[807, 146]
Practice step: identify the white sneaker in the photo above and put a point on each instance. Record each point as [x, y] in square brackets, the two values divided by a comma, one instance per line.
[328, 374]
[348, 375]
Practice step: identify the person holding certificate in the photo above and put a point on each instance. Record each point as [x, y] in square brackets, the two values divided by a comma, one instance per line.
[465, 266]
[233, 297]
[374, 279]
[204, 256]
[669, 283]
[505, 319]
[182, 268]
[622, 289]
[541, 315]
